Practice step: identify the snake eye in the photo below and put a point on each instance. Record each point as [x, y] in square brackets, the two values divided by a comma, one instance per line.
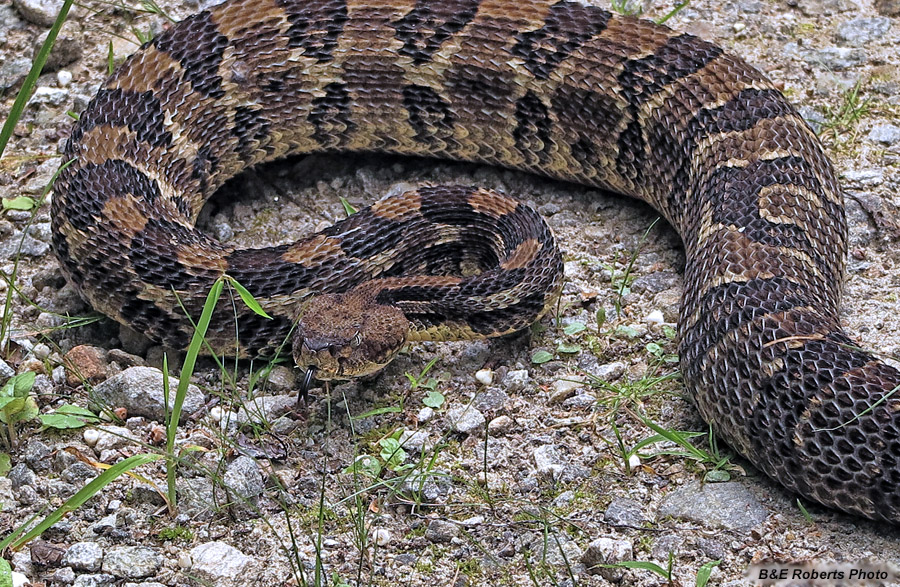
[356, 341]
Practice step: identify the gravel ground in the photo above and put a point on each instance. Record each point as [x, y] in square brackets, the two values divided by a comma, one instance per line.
[518, 469]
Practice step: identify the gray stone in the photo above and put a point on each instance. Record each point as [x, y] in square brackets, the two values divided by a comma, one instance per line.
[49, 96]
[244, 482]
[7, 499]
[40, 12]
[607, 551]
[434, 487]
[281, 378]
[9, 20]
[667, 544]
[132, 562]
[38, 456]
[580, 402]
[5, 371]
[860, 31]
[813, 118]
[557, 549]
[549, 461]
[220, 564]
[610, 371]
[888, 7]
[27, 495]
[140, 391]
[563, 389]
[63, 576]
[516, 380]
[563, 499]
[414, 440]
[78, 473]
[196, 498]
[622, 511]
[441, 531]
[836, 58]
[84, 556]
[26, 246]
[655, 282]
[105, 524]
[114, 437]
[465, 419]
[863, 178]
[492, 399]
[500, 425]
[266, 409]
[723, 505]
[98, 580]
[21, 475]
[885, 133]
[21, 562]
[66, 50]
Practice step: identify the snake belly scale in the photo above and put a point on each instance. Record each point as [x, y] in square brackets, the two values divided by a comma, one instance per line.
[556, 87]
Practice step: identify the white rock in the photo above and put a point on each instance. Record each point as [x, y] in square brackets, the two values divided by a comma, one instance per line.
[52, 96]
[516, 380]
[500, 425]
[484, 376]
[425, 414]
[63, 77]
[548, 460]
[563, 389]
[382, 536]
[634, 462]
[654, 317]
[91, 436]
[465, 419]
[220, 564]
[413, 440]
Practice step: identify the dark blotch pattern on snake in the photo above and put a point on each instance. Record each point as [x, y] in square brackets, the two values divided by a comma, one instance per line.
[559, 88]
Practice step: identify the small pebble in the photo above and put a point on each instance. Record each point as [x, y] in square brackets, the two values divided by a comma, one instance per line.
[425, 414]
[484, 376]
[500, 425]
[91, 436]
[41, 351]
[738, 27]
[63, 77]
[634, 462]
[382, 536]
[654, 317]
[563, 389]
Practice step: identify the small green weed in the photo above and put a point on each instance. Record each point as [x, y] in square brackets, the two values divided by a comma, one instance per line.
[177, 532]
[17, 405]
[843, 118]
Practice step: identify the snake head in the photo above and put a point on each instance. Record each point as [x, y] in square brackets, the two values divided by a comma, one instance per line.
[343, 336]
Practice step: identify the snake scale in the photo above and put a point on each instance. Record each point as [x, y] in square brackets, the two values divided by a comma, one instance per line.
[555, 87]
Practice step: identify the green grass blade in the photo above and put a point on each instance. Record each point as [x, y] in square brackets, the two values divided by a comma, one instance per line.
[190, 360]
[704, 572]
[86, 492]
[644, 565]
[31, 79]
[349, 210]
[248, 298]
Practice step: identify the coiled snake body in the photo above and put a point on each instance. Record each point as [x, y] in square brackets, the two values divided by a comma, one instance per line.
[559, 88]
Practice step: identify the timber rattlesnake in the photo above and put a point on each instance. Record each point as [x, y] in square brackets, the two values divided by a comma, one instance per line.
[556, 87]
